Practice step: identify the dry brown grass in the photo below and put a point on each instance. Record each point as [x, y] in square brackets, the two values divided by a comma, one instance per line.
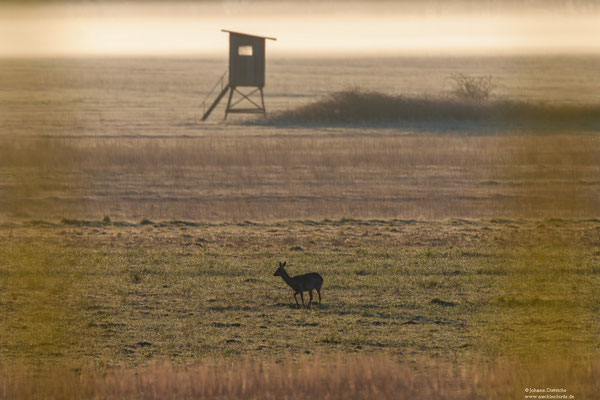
[301, 174]
[85, 138]
[365, 377]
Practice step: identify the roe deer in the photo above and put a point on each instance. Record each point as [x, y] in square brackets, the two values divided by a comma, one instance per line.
[301, 283]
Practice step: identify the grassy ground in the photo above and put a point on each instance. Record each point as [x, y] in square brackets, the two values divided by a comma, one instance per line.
[100, 293]
[466, 245]
[354, 377]
[261, 175]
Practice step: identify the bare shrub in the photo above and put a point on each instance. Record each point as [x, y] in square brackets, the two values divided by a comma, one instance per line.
[472, 88]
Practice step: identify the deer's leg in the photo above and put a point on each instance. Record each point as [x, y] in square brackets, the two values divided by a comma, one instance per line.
[302, 298]
[319, 293]
[296, 298]
[311, 297]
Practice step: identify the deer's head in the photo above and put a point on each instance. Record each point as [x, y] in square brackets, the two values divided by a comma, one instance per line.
[280, 270]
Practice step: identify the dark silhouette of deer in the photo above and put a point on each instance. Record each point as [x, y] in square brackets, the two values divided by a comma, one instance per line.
[301, 283]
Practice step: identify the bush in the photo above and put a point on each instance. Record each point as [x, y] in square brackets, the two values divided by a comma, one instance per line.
[472, 88]
[469, 103]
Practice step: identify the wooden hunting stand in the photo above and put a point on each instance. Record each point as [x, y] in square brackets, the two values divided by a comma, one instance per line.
[246, 69]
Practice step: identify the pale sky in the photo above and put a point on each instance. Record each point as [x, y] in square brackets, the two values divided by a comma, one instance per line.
[321, 29]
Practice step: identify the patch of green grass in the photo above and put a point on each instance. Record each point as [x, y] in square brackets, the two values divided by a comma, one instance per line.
[126, 294]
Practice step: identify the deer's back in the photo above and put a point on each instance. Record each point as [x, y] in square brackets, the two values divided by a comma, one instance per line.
[308, 281]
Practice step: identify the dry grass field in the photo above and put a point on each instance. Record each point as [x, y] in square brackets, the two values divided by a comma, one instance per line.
[128, 293]
[339, 378]
[301, 173]
[137, 253]
[443, 303]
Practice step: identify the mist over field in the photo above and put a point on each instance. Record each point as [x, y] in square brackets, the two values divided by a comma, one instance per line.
[321, 28]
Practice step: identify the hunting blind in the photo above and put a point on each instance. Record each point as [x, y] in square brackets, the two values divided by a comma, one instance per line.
[246, 69]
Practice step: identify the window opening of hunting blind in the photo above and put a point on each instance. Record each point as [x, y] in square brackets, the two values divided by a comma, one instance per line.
[245, 51]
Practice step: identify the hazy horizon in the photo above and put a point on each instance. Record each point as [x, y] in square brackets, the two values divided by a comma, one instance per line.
[302, 28]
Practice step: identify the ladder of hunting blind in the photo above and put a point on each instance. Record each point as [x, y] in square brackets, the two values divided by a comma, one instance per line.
[224, 87]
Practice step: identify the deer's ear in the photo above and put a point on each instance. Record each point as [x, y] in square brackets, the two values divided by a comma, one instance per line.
[280, 264]
[283, 265]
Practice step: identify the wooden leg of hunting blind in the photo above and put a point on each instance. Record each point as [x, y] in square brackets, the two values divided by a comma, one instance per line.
[262, 101]
[229, 102]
